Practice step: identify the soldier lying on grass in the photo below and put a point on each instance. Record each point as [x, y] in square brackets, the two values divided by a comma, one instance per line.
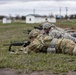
[44, 43]
[57, 32]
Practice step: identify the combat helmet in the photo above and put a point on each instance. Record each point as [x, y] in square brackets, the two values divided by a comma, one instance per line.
[34, 33]
[47, 25]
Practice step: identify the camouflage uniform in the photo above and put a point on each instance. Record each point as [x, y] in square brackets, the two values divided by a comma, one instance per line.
[60, 34]
[46, 25]
[48, 43]
[40, 43]
[65, 46]
[33, 34]
[57, 32]
[73, 34]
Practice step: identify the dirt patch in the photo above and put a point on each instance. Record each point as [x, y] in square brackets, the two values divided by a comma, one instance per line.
[7, 71]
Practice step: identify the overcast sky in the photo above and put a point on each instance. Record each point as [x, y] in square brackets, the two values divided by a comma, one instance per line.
[43, 7]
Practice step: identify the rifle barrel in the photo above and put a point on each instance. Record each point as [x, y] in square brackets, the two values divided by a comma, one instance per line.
[14, 44]
[24, 44]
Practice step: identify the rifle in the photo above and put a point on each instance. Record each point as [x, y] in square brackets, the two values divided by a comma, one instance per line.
[35, 27]
[24, 44]
[38, 27]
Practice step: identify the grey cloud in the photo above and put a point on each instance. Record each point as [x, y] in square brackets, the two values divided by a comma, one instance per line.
[40, 7]
[8, 1]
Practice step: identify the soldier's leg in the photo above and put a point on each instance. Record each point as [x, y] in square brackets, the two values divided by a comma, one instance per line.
[67, 46]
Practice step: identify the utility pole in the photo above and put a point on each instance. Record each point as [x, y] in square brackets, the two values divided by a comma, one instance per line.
[60, 11]
[33, 11]
[66, 10]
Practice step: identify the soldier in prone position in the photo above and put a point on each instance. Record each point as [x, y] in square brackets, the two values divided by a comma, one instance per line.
[45, 43]
[65, 46]
[39, 42]
[56, 32]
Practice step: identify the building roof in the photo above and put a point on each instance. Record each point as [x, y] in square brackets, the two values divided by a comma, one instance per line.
[7, 17]
[36, 15]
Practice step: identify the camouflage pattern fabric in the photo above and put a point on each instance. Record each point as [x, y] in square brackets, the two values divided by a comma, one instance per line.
[41, 41]
[35, 46]
[73, 34]
[60, 29]
[66, 46]
[62, 45]
[68, 36]
[55, 33]
[34, 33]
[38, 44]
[61, 34]
[46, 25]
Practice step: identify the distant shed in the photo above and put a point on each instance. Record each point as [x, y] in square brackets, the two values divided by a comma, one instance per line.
[6, 20]
[35, 18]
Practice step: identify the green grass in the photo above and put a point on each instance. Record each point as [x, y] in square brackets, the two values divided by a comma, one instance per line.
[65, 23]
[57, 63]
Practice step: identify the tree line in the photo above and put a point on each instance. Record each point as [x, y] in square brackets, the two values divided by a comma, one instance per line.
[17, 17]
[72, 16]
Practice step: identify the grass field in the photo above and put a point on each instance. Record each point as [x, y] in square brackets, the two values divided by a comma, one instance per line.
[56, 63]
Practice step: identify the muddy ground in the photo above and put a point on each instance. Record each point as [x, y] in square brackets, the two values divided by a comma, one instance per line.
[7, 71]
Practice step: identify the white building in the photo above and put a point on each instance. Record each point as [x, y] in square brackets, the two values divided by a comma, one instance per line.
[6, 20]
[34, 18]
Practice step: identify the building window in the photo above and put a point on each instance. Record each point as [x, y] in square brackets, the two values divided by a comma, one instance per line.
[29, 19]
[46, 19]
